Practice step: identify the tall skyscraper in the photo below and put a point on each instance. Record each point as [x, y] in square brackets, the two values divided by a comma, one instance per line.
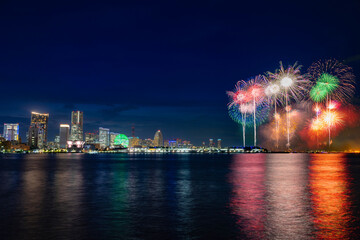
[64, 135]
[77, 126]
[37, 135]
[112, 138]
[104, 137]
[11, 131]
[158, 139]
[219, 143]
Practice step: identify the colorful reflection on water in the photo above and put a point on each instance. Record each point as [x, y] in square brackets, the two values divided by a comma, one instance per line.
[190, 196]
[248, 203]
[330, 196]
[296, 196]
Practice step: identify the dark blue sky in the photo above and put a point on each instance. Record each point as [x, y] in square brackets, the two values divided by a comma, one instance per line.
[158, 64]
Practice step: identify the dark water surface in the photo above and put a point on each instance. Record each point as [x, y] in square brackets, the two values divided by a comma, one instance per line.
[183, 196]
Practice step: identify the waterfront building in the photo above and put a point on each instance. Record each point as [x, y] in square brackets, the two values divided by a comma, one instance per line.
[147, 142]
[219, 143]
[104, 137]
[77, 126]
[134, 142]
[91, 138]
[64, 135]
[11, 131]
[158, 139]
[178, 142]
[172, 143]
[112, 138]
[211, 142]
[57, 141]
[37, 135]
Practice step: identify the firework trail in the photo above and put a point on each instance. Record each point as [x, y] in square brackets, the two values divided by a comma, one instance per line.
[272, 91]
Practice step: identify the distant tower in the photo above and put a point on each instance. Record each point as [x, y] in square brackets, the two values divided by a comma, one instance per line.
[158, 139]
[64, 135]
[77, 126]
[211, 142]
[133, 131]
[219, 143]
[37, 135]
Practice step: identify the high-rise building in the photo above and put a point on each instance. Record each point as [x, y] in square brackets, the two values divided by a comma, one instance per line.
[37, 135]
[64, 135]
[11, 131]
[77, 126]
[158, 139]
[104, 137]
[219, 143]
[112, 138]
[211, 142]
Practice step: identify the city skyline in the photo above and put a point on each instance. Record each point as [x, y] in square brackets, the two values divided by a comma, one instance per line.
[122, 64]
[36, 137]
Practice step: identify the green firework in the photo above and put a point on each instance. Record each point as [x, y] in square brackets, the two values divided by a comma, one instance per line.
[328, 82]
[318, 93]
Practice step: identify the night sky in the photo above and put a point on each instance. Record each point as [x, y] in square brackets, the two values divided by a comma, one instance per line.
[158, 65]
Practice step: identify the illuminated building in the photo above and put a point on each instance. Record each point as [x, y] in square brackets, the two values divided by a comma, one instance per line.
[76, 146]
[147, 142]
[211, 142]
[11, 131]
[219, 143]
[77, 126]
[158, 139]
[172, 143]
[104, 137]
[37, 135]
[57, 141]
[178, 142]
[186, 144]
[134, 141]
[64, 135]
[112, 138]
[121, 140]
[91, 138]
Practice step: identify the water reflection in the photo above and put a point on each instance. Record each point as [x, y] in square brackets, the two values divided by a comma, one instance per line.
[247, 201]
[288, 215]
[32, 197]
[270, 196]
[68, 191]
[330, 196]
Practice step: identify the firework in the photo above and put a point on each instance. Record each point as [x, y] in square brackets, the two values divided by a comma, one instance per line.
[318, 93]
[292, 85]
[334, 78]
[290, 80]
[248, 99]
